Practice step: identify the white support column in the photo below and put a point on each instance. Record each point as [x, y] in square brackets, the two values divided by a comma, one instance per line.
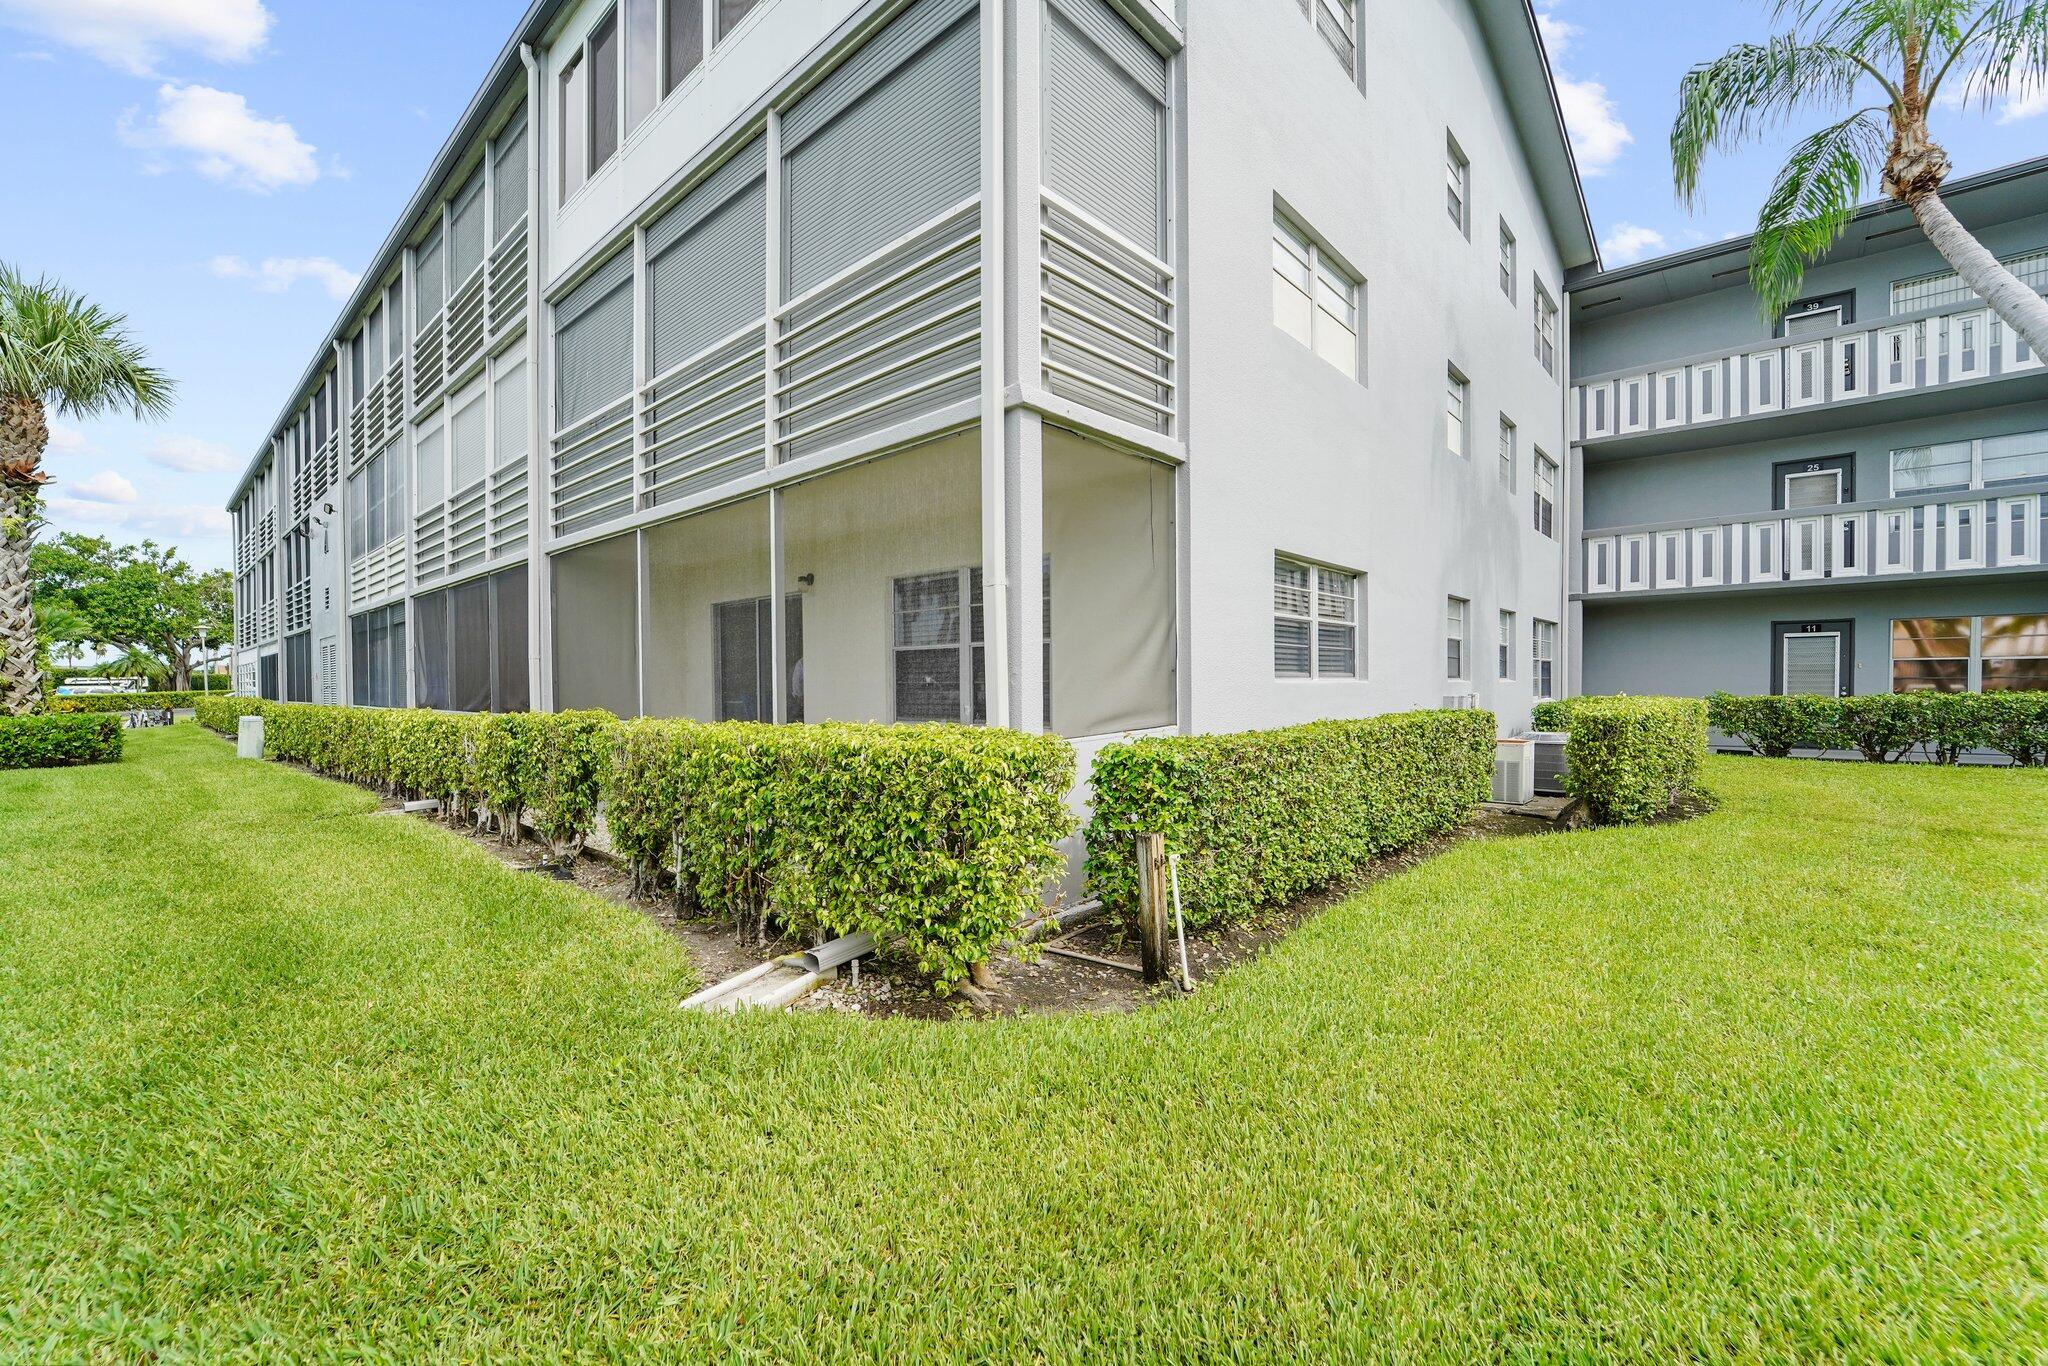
[1024, 494]
[1024, 136]
[998, 583]
[778, 606]
[643, 618]
[540, 618]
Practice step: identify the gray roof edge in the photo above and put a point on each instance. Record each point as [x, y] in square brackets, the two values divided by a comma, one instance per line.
[1739, 246]
[494, 87]
[1570, 219]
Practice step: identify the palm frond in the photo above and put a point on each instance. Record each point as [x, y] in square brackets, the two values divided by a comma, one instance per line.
[1811, 201]
[73, 356]
[2004, 52]
[1750, 90]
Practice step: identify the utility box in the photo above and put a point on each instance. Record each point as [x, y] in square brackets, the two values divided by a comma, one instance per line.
[249, 738]
[1551, 768]
[1514, 772]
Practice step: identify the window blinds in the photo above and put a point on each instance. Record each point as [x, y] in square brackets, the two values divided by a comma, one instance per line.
[708, 260]
[1105, 131]
[594, 342]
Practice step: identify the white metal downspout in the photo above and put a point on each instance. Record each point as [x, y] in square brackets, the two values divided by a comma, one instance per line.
[778, 606]
[540, 634]
[995, 522]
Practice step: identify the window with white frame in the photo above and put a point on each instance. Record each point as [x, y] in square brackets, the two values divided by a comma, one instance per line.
[1457, 397]
[1457, 614]
[573, 119]
[1316, 615]
[1543, 659]
[1507, 261]
[1508, 642]
[1507, 453]
[1954, 466]
[1965, 654]
[1546, 326]
[936, 653]
[1457, 185]
[1946, 287]
[1315, 299]
[1546, 494]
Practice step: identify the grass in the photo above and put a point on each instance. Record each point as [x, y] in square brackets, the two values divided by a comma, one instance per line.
[282, 1078]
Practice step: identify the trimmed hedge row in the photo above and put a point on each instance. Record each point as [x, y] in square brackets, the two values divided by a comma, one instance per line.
[1260, 818]
[938, 839]
[124, 701]
[59, 741]
[1887, 727]
[1630, 758]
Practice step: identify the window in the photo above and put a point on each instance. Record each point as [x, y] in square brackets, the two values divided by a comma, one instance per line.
[1546, 494]
[1546, 326]
[574, 123]
[743, 641]
[1931, 654]
[1456, 392]
[643, 57]
[1507, 261]
[1947, 287]
[937, 651]
[1315, 621]
[1953, 466]
[1315, 300]
[684, 41]
[1337, 21]
[2014, 653]
[604, 90]
[376, 501]
[1508, 641]
[377, 654]
[1543, 659]
[1455, 612]
[427, 281]
[1457, 185]
[1507, 454]
[730, 12]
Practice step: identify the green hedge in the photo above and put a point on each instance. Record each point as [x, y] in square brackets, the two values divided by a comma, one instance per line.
[123, 701]
[936, 839]
[1887, 727]
[59, 741]
[1630, 758]
[1262, 817]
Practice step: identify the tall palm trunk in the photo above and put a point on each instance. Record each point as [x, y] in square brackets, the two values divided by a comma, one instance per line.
[23, 434]
[2010, 297]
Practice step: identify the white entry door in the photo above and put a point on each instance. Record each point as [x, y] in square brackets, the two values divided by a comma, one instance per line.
[1813, 664]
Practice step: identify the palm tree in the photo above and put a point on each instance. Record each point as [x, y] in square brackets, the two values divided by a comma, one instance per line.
[1883, 65]
[58, 353]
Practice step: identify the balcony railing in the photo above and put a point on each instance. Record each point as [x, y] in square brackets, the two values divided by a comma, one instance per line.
[1932, 351]
[1983, 530]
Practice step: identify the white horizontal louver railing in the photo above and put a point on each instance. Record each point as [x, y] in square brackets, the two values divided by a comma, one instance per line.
[467, 325]
[1107, 319]
[468, 541]
[1886, 357]
[508, 281]
[429, 360]
[379, 574]
[430, 543]
[508, 521]
[298, 607]
[591, 469]
[327, 465]
[1984, 529]
[891, 339]
[702, 423]
[379, 416]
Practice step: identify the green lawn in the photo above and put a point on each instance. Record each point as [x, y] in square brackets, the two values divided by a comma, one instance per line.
[279, 1077]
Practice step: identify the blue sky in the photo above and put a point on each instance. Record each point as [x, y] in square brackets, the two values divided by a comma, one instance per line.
[219, 169]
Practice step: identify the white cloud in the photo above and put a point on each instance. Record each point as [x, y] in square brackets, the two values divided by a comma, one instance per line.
[136, 34]
[226, 140]
[191, 455]
[2025, 104]
[276, 274]
[70, 441]
[1598, 135]
[104, 487]
[1626, 242]
[160, 521]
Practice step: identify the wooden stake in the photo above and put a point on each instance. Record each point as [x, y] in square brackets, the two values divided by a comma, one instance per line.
[1153, 910]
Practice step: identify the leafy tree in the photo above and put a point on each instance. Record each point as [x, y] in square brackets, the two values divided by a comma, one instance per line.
[1882, 65]
[144, 600]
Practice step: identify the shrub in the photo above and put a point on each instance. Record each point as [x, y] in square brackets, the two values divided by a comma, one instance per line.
[1884, 727]
[1775, 726]
[936, 839]
[123, 701]
[1630, 758]
[1262, 817]
[59, 741]
[572, 754]
[506, 768]
[2013, 723]
[1556, 714]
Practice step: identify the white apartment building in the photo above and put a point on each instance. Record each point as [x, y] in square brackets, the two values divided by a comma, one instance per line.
[1059, 364]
